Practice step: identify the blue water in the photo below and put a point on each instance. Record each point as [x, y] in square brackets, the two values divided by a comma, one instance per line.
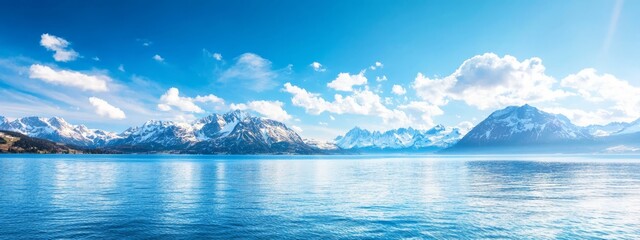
[338, 197]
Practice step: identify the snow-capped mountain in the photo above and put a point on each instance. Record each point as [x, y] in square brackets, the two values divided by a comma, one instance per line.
[239, 132]
[629, 128]
[437, 137]
[322, 145]
[58, 130]
[606, 130]
[233, 132]
[156, 135]
[523, 126]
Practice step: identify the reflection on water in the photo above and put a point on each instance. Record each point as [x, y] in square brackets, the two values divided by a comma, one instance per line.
[311, 197]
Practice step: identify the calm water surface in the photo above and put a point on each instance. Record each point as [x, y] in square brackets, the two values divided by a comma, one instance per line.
[337, 197]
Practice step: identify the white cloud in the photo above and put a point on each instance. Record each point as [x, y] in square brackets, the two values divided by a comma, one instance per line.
[269, 109]
[594, 87]
[584, 118]
[60, 46]
[381, 79]
[489, 81]
[434, 91]
[317, 67]
[103, 108]
[296, 128]
[69, 78]
[252, 72]
[361, 102]
[217, 56]
[376, 66]
[345, 81]
[164, 107]
[388, 101]
[421, 114]
[398, 90]
[209, 98]
[172, 99]
[323, 123]
[332, 118]
[144, 42]
[95, 59]
[465, 127]
[121, 68]
[158, 58]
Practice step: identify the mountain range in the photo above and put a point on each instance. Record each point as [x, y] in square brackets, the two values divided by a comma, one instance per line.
[514, 129]
[400, 140]
[526, 129]
[236, 132]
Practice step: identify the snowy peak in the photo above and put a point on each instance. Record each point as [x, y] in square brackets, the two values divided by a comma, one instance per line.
[523, 125]
[402, 138]
[632, 127]
[606, 130]
[236, 116]
[232, 132]
[322, 145]
[58, 130]
[158, 135]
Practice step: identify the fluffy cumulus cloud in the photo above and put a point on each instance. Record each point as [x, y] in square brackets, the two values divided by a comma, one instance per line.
[172, 99]
[60, 47]
[434, 91]
[97, 83]
[158, 58]
[381, 79]
[398, 90]
[421, 113]
[296, 128]
[489, 81]
[217, 56]
[360, 102]
[376, 66]
[316, 66]
[596, 88]
[269, 109]
[252, 72]
[103, 108]
[346, 81]
[584, 118]
[209, 98]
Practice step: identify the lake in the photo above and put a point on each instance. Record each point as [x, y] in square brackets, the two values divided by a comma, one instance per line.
[319, 197]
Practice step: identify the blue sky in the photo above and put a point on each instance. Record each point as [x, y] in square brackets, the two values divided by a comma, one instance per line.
[115, 64]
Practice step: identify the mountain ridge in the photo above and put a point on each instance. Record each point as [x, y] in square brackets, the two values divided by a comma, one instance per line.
[513, 128]
[435, 138]
[517, 129]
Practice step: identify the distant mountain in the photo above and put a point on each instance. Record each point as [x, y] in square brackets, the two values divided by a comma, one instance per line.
[523, 127]
[58, 130]
[235, 132]
[606, 130]
[629, 128]
[13, 142]
[238, 132]
[154, 135]
[510, 130]
[400, 139]
[614, 128]
[322, 145]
